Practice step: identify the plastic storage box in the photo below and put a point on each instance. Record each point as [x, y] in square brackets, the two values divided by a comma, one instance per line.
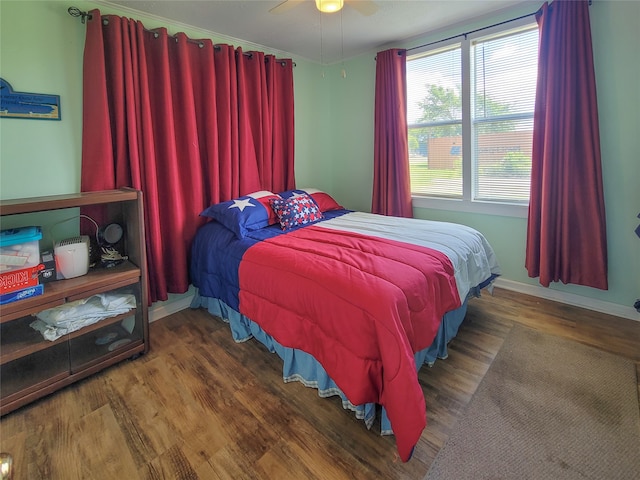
[19, 248]
[19, 258]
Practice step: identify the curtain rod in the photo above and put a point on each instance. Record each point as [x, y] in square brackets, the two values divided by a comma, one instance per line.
[478, 30]
[464, 34]
[76, 12]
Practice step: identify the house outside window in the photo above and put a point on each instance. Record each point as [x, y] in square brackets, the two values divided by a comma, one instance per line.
[470, 107]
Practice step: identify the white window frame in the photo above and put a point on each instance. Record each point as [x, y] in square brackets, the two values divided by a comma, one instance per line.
[466, 203]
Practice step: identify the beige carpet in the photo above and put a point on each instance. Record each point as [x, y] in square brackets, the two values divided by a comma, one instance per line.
[548, 408]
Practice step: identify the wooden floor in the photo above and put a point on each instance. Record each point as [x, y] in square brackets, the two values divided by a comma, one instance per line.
[200, 406]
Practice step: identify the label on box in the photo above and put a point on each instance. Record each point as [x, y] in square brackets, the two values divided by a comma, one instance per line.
[22, 294]
[15, 280]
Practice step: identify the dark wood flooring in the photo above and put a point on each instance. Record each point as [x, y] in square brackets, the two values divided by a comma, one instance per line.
[200, 406]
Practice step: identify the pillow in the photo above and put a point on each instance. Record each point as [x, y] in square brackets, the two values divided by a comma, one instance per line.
[296, 211]
[244, 214]
[324, 201]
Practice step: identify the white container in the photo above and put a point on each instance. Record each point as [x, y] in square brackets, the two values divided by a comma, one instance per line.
[72, 256]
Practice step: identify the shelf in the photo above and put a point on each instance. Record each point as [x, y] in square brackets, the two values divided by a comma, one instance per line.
[31, 366]
[88, 360]
[56, 382]
[56, 293]
[20, 340]
[57, 202]
[101, 324]
[26, 373]
[34, 389]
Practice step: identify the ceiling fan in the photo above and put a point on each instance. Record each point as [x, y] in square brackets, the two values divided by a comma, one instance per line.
[365, 7]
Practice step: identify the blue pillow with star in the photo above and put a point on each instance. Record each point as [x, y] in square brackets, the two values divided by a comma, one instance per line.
[244, 214]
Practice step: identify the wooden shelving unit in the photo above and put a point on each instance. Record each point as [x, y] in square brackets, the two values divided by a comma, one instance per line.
[30, 366]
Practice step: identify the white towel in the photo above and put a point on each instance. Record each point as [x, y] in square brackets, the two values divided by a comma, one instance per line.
[69, 317]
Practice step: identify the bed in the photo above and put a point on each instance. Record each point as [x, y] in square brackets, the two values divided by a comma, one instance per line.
[354, 303]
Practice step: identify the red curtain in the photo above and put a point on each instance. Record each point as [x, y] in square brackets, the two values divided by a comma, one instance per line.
[566, 235]
[391, 182]
[186, 122]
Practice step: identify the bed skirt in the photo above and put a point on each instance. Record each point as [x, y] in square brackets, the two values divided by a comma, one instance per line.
[304, 368]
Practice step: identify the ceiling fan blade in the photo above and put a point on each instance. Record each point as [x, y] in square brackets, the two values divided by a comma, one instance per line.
[365, 7]
[285, 6]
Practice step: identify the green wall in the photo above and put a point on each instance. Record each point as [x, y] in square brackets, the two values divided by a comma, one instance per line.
[41, 50]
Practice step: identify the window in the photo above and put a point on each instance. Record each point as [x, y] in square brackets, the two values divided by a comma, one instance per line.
[470, 115]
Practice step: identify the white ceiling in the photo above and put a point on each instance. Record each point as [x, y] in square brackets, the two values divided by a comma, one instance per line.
[304, 32]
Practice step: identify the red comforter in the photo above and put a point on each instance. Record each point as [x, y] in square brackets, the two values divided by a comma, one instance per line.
[362, 306]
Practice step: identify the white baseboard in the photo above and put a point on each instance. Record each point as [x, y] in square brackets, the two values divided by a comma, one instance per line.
[159, 311]
[570, 299]
[164, 309]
